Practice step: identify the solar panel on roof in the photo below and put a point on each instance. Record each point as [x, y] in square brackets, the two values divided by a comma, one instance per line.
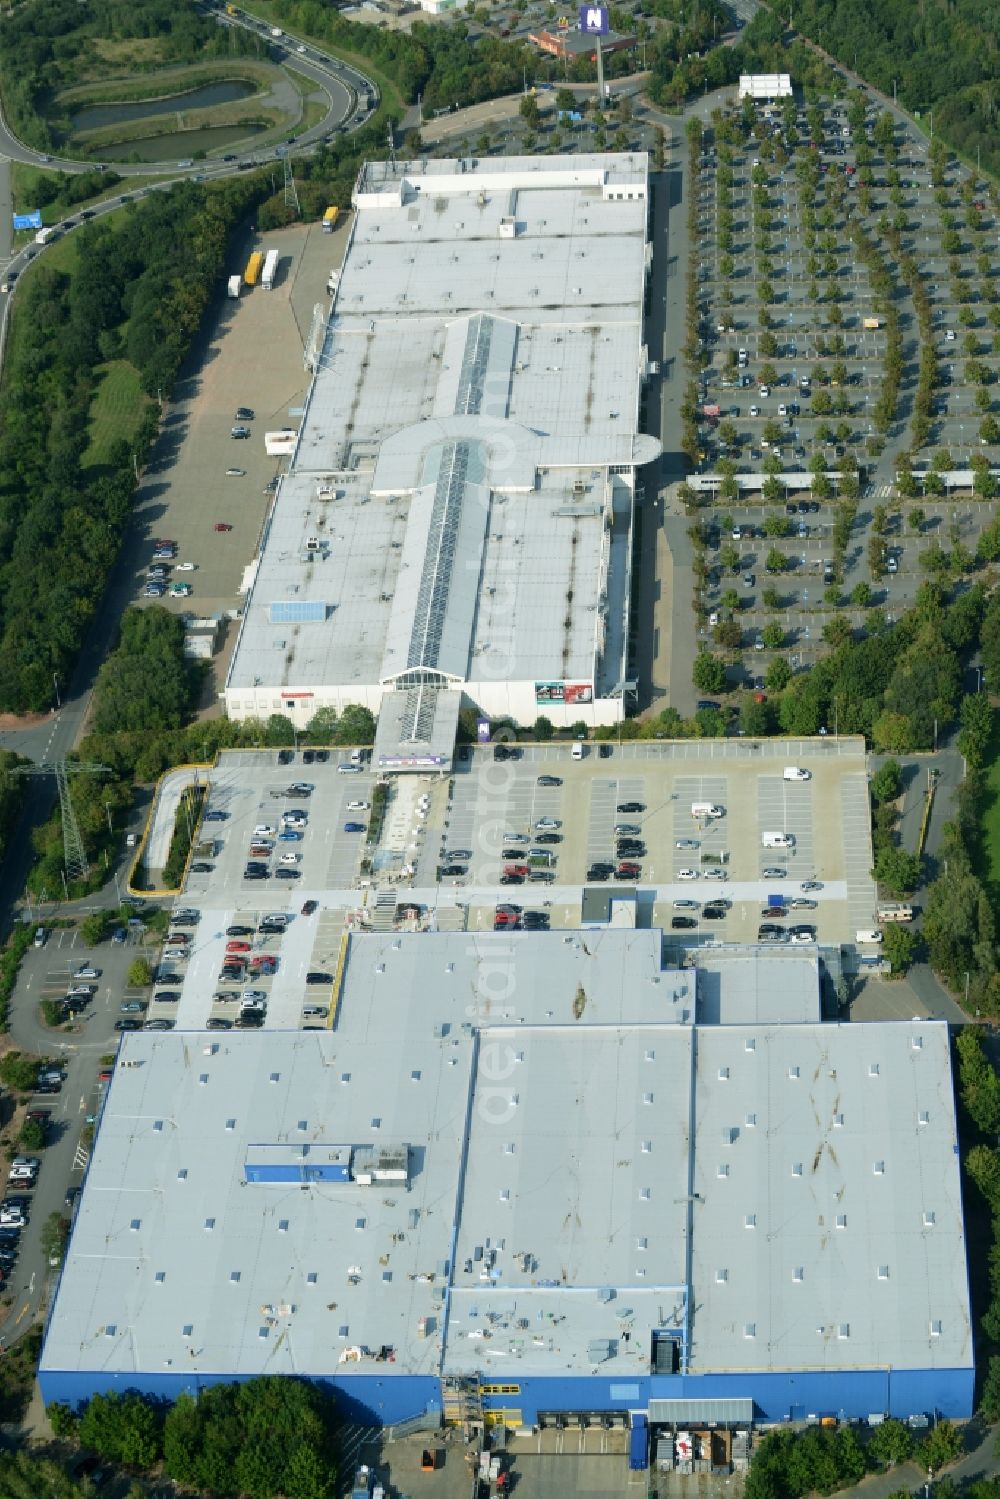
[297, 612]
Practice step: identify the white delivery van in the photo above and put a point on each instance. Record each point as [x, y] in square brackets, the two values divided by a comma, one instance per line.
[861, 937]
[777, 840]
[579, 750]
[707, 809]
[796, 773]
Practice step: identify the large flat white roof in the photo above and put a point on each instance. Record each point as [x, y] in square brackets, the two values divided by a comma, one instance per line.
[580, 1163]
[478, 380]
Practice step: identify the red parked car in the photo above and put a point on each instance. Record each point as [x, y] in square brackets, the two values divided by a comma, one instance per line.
[237, 947]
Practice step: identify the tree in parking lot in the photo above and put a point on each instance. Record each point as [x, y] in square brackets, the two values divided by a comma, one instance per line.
[95, 927]
[778, 675]
[773, 636]
[775, 561]
[916, 519]
[18, 1071]
[708, 673]
[32, 1135]
[729, 558]
[730, 600]
[728, 633]
[139, 973]
[989, 430]
[861, 595]
[52, 1240]
[777, 525]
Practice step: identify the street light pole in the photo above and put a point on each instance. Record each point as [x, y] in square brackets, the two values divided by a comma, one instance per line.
[55, 683]
[107, 808]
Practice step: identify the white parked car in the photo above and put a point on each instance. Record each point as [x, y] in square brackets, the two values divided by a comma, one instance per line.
[755, 411]
[357, 806]
[12, 1218]
[687, 843]
[288, 858]
[687, 874]
[184, 567]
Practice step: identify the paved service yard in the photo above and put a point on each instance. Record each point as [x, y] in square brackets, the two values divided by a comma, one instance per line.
[487, 806]
[252, 356]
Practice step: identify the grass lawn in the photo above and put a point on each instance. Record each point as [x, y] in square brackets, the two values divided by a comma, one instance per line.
[118, 404]
[116, 410]
[987, 852]
[23, 179]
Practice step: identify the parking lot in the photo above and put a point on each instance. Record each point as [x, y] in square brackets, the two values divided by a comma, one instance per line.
[251, 358]
[804, 214]
[557, 819]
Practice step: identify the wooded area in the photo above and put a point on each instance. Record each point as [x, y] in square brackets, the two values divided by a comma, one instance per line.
[944, 58]
[141, 286]
[271, 1435]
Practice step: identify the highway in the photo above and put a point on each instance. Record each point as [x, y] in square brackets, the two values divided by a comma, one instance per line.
[352, 98]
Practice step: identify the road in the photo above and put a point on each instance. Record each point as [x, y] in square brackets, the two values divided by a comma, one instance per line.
[348, 91]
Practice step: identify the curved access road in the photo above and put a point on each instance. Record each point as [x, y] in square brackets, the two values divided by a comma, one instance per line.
[352, 98]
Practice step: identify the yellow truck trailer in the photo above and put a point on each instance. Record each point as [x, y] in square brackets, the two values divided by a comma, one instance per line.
[330, 220]
[252, 273]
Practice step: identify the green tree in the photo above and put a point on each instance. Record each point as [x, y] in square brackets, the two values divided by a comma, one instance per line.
[147, 683]
[543, 729]
[892, 1442]
[900, 945]
[95, 927]
[53, 1237]
[269, 1436]
[773, 636]
[779, 674]
[32, 1135]
[708, 673]
[124, 1428]
[139, 973]
[958, 924]
[356, 726]
[978, 1082]
[887, 782]
[989, 1400]
[977, 718]
[529, 112]
[940, 1446]
[19, 1071]
[775, 561]
[898, 870]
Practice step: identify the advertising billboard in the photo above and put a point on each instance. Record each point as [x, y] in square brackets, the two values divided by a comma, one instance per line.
[563, 692]
[483, 730]
[32, 220]
[594, 20]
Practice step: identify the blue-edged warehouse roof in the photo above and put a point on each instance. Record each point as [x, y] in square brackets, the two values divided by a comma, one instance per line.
[520, 1160]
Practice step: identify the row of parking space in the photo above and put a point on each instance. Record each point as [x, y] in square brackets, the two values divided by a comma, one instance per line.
[253, 825]
[279, 975]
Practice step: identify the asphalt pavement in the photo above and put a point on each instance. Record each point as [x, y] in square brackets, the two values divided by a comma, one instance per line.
[46, 972]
